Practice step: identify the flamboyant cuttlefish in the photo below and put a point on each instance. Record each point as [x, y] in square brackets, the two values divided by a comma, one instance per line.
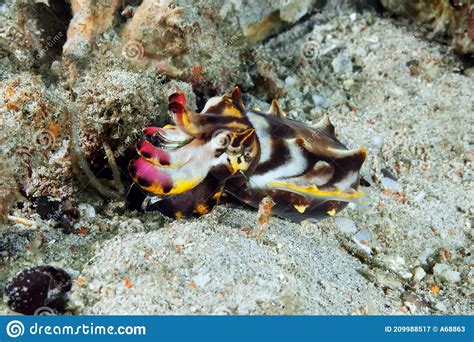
[249, 154]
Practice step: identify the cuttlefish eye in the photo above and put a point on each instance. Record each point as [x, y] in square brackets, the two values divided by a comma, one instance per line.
[235, 151]
[240, 152]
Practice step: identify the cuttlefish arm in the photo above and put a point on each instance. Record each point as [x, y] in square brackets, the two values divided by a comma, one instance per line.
[164, 172]
[169, 136]
[193, 203]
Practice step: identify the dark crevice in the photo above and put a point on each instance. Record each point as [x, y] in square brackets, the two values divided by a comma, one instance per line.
[53, 21]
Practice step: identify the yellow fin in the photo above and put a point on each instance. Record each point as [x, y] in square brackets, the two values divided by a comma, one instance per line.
[301, 208]
[275, 110]
[315, 191]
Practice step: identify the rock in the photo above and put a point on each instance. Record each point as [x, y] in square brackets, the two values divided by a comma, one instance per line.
[420, 196]
[418, 274]
[90, 18]
[342, 64]
[201, 280]
[154, 28]
[345, 225]
[445, 274]
[390, 184]
[441, 18]
[318, 100]
[363, 235]
[259, 19]
[48, 207]
[440, 307]
[293, 10]
[41, 288]
[289, 81]
[362, 239]
[398, 265]
[378, 140]
[86, 210]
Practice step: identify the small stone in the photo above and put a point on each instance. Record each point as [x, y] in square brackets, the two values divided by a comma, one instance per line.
[362, 239]
[201, 280]
[176, 301]
[346, 225]
[469, 72]
[397, 91]
[420, 197]
[342, 64]
[444, 273]
[42, 288]
[363, 236]
[180, 241]
[390, 184]
[86, 210]
[318, 100]
[378, 140]
[373, 39]
[289, 81]
[348, 83]
[68, 208]
[353, 16]
[440, 307]
[418, 273]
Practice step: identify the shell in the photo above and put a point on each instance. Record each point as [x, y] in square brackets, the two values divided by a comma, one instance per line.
[248, 154]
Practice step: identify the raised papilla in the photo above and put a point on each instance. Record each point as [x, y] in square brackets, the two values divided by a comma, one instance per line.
[248, 154]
